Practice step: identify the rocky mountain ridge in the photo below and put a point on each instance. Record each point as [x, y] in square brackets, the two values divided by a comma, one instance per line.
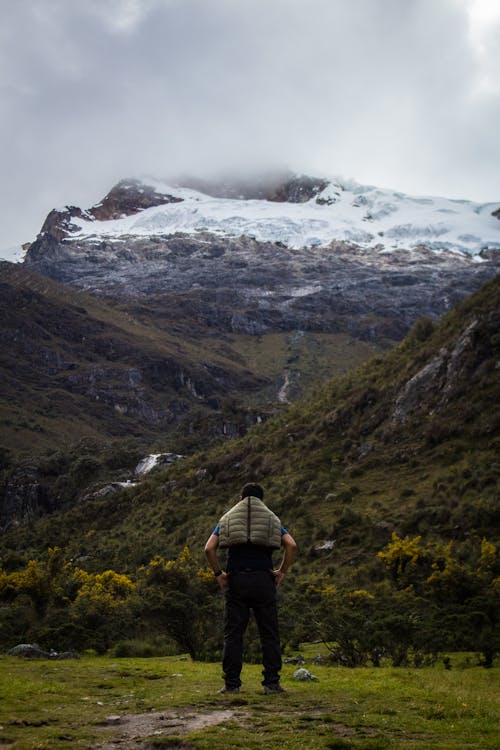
[295, 209]
[300, 254]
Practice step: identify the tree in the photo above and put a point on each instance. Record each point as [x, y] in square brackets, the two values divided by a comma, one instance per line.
[179, 597]
[103, 606]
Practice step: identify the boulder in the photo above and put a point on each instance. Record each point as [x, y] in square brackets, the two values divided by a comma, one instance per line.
[29, 651]
[296, 660]
[303, 675]
[33, 651]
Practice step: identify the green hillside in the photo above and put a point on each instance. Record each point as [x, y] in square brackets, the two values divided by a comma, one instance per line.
[399, 457]
[375, 451]
[74, 365]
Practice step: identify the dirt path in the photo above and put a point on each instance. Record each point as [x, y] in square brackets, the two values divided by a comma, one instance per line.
[130, 730]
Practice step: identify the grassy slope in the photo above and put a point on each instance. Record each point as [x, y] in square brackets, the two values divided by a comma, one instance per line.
[59, 705]
[45, 324]
[308, 357]
[335, 467]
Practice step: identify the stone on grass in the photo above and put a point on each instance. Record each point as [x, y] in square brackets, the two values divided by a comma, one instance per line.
[303, 675]
[33, 651]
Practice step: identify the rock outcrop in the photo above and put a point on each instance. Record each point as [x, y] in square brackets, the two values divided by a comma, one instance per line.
[242, 285]
[156, 460]
[23, 498]
[129, 197]
[455, 365]
[124, 199]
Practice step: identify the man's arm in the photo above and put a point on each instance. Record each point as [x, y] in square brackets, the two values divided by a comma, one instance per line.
[290, 548]
[211, 555]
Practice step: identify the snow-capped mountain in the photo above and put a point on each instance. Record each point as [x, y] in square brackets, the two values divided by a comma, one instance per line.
[295, 253]
[323, 212]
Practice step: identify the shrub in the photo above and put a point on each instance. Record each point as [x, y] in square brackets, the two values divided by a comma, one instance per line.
[143, 648]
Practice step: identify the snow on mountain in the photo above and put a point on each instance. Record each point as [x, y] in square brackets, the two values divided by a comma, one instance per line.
[13, 254]
[342, 211]
[289, 253]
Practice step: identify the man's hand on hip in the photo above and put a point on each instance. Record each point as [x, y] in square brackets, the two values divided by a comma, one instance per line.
[278, 577]
[223, 581]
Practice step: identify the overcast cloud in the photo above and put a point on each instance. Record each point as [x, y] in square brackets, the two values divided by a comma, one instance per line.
[397, 93]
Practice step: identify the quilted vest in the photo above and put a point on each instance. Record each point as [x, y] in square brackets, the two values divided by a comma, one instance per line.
[250, 520]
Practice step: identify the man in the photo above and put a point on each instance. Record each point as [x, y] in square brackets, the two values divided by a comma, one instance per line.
[251, 532]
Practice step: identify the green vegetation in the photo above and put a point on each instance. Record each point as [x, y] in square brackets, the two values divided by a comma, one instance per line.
[308, 357]
[48, 705]
[428, 602]
[387, 477]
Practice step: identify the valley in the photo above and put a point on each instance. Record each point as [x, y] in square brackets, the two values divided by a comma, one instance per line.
[358, 385]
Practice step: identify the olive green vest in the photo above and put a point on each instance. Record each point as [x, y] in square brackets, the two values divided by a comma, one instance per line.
[250, 520]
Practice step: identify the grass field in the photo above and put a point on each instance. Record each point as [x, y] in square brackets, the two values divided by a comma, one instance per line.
[100, 702]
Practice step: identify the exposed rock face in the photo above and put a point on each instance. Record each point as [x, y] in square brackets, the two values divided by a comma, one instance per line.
[24, 498]
[58, 224]
[126, 198]
[455, 365]
[110, 489]
[129, 197]
[420, 388]
[241, 285]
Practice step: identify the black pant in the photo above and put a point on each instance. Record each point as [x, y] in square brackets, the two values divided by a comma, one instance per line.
[254, 590]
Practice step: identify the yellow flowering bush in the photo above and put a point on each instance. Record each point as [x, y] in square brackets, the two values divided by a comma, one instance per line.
[103, 591]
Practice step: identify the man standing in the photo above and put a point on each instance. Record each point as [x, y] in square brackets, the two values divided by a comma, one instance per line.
[251, 532]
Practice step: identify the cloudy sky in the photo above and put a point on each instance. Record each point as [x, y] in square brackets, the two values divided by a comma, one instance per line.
[397, 93]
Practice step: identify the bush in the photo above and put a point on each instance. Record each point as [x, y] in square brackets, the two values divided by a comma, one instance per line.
[422, 330]
[143, 648]
[85, 467]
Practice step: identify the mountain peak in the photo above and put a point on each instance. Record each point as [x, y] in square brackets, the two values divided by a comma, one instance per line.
[128, 197]
[295, 210]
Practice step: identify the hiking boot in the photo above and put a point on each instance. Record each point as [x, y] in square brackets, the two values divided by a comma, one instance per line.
[229, 690]
[272, 689]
